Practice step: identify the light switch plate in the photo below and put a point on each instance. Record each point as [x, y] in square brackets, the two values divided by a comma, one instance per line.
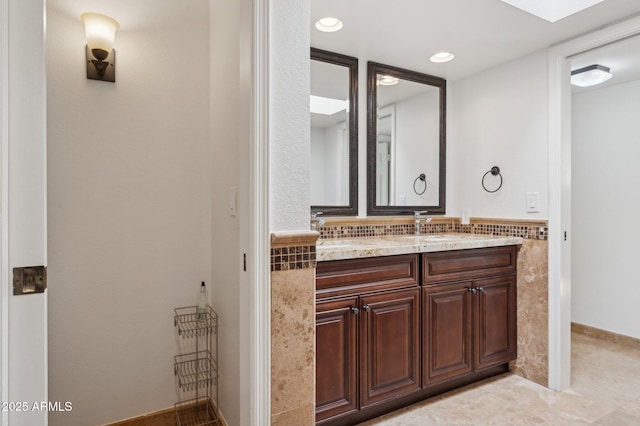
[233, 201]
[533, 202]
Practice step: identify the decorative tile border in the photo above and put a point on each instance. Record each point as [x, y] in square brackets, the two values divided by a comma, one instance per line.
[364, 228]
[288, 258]
[293, 250]
[297, 250]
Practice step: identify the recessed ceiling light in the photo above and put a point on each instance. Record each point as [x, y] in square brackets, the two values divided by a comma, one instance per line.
[590, 76]
[387, 80]
[329, 24]
[442, 57]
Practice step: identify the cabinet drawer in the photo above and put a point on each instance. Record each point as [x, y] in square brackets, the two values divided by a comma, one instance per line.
[341, 277]
[466, 264]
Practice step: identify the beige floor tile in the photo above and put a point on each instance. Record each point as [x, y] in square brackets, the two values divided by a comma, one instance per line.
[618, 418]
[596, 397]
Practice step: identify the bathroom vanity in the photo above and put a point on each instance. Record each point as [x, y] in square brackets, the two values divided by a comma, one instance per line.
[403, 318]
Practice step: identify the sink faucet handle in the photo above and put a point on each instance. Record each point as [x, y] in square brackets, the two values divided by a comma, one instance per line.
[417, 214]
[315, 221]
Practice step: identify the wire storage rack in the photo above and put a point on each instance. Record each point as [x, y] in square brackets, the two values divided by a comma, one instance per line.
[196, 371]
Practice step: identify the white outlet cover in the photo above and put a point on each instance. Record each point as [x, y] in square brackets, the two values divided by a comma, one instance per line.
[552, 10]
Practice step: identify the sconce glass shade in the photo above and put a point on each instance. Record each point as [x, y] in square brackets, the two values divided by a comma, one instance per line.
[100, 31]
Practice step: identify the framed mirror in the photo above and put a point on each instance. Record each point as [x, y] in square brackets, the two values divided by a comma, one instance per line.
[406, 141]
[334, 133]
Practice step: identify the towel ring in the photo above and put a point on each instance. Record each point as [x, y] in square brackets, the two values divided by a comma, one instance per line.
[495, 171]
[422, 178]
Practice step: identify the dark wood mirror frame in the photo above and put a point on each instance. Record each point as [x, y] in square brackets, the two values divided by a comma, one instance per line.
[352, 64]
[373, 69]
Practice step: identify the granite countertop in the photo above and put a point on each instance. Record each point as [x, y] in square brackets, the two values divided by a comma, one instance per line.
[351, 248]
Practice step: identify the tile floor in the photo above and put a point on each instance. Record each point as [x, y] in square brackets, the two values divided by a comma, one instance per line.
[605, 391]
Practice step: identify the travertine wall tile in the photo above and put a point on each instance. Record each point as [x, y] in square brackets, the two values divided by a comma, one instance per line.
[292, 341]
[533, 312]
[302, 416]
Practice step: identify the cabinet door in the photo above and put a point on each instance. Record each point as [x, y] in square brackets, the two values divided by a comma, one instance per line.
[336, 357]
[446, 332]
[389, 345]
[495, 330]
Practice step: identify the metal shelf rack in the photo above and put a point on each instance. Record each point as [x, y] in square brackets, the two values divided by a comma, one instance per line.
[196, 371]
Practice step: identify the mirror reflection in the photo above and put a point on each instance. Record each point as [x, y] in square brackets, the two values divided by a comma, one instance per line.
[333, 133]
[406, 157]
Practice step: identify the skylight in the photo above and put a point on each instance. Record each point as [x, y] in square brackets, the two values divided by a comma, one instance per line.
[326, 106]
[552, 10]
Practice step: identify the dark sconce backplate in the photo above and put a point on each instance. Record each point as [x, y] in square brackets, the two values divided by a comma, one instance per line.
[94, 67]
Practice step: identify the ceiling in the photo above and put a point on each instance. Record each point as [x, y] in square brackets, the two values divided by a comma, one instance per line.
[481, 33]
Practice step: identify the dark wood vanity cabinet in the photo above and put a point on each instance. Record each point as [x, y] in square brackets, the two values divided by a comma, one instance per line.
[468, 312]
[336, 357]
[367, 333]
[394, 330]
[389, 345]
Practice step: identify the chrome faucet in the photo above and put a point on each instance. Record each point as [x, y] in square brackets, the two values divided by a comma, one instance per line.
[418, 217]
[315, 221]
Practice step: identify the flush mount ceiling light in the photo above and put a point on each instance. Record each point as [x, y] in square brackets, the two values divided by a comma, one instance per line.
[441, 57]
[329, 24]
[590, 76]
[387, 80]
[552, 10]
[100, 31]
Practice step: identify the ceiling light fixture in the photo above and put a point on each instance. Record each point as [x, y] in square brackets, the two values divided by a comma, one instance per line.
[329, 24]
[387, 80]
[590, 76]
[441, 57]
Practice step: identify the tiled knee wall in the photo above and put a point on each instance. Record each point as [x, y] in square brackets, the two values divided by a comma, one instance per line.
[293, 263]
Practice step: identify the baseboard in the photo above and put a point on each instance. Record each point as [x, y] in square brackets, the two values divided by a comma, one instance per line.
[605, 335]
[166, 417]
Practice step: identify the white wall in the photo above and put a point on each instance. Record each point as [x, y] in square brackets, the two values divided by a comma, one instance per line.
[496, 117]
[129, 204]
[605, 176]
[289, 120]
[227, 140]
[499, 118]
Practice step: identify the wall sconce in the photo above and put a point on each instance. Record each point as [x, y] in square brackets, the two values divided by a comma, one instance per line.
[100, 31]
